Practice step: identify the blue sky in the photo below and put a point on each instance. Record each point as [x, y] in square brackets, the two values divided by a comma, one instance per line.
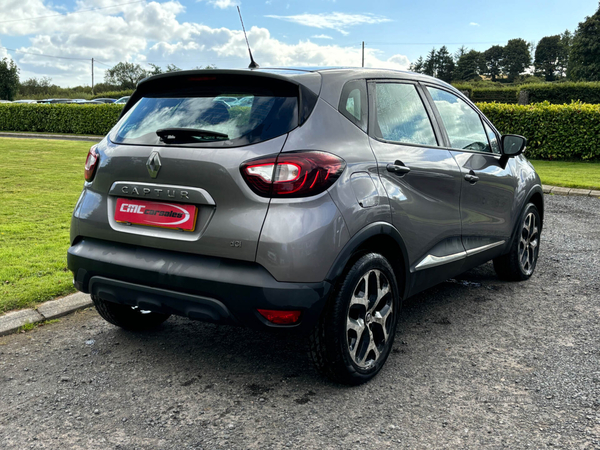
[192, 33]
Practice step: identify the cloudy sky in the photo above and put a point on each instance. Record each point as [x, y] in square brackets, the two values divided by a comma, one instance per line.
[190, 33]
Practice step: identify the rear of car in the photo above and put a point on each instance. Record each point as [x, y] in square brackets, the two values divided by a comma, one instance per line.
[308, 201]
[177, 194]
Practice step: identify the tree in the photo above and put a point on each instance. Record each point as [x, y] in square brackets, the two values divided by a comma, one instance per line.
[445, 65]
[125, 74]
[584, 59]
[156, 70]
[430, 65]
[9, 79]
[172, 68]
[34, 86]
[493, 61]
[566, 42]
[418, 65]
[468, 66]
[547, 56]
[517, 58]
[460, 52]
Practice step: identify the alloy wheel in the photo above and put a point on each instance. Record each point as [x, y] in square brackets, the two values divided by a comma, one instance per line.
[370, 318]
[529, 244]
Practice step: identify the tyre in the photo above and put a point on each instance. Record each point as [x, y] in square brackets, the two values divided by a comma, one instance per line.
[519, 263]
[128, 317]
[355, 334]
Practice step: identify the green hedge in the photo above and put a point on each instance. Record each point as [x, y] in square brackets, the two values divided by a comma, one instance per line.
[59, 118]
[570, 132]
[502, 95]
[564, 92]
[567, 132]
[113, 94]
[555, 93]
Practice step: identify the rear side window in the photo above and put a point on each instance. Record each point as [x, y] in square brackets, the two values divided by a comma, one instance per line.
[215, 114]
[401, 116]
[353, 102]
[463, 124]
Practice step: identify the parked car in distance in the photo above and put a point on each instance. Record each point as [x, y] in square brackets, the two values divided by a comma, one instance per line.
[25, 101]
[105, 100]
[5, 101]
[55, 100]
[337, 195]
[122, 100]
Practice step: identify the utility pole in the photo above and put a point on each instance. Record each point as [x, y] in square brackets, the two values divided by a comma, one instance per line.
[92, 76]
[363, 54]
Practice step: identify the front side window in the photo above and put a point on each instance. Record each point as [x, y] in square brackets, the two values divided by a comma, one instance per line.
[401, 116]
[463, 124]
[492, 138]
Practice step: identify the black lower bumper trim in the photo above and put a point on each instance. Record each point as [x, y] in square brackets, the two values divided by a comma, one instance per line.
[200, 287]
[161, 300]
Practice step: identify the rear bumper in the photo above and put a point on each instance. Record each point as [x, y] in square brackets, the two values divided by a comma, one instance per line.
[199, 287]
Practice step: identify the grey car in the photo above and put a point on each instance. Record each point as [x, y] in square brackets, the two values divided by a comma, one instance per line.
[317, 208]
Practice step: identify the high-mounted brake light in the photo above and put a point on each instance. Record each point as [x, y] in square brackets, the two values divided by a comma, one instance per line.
[294, 174]
[91, 162]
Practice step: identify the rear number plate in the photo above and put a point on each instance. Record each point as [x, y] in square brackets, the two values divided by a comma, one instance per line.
[156, 214]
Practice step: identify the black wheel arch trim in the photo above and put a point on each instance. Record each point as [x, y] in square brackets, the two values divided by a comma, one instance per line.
[535, 189]
[370, 231]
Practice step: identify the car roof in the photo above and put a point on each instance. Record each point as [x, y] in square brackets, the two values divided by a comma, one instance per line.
[324, 81]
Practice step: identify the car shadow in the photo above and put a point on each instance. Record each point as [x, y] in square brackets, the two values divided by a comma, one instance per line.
[256, 361]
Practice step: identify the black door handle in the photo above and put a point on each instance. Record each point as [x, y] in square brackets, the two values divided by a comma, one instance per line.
[398, 168]
[471, 177]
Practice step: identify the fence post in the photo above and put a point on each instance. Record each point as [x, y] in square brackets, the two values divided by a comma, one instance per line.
[523, 97]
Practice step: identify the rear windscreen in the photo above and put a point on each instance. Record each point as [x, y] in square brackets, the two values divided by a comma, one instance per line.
[216, 114]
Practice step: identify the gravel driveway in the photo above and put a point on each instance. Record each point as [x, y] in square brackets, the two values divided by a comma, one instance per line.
[479, 363]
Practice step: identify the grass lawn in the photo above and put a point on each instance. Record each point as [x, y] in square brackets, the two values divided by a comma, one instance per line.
[40, 181]
[569, 174]
[60, 134]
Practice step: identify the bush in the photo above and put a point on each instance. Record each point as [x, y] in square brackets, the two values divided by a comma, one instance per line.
[59, 118]
[557, 93]
[567, 132]
[564, 92]
[502, 95]
[113, 94]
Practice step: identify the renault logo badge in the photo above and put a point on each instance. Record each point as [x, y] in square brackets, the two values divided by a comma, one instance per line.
[153, 164]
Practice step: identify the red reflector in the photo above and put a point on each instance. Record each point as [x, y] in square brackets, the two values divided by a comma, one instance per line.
[280, 317]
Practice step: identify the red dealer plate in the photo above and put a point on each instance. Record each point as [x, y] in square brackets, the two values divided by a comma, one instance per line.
[156, 214]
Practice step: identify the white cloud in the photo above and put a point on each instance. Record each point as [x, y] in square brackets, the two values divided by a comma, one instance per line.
[151, 32]
[334, 21]
[321, 36]
[474, 24]
[222, 4]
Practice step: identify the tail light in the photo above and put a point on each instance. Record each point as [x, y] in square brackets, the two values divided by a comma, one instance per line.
[294, 174]
[90, 163]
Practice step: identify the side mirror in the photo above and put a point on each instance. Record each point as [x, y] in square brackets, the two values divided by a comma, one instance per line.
[513, 144]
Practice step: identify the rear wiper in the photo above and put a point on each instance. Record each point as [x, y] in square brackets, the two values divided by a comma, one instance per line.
[188, 135]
